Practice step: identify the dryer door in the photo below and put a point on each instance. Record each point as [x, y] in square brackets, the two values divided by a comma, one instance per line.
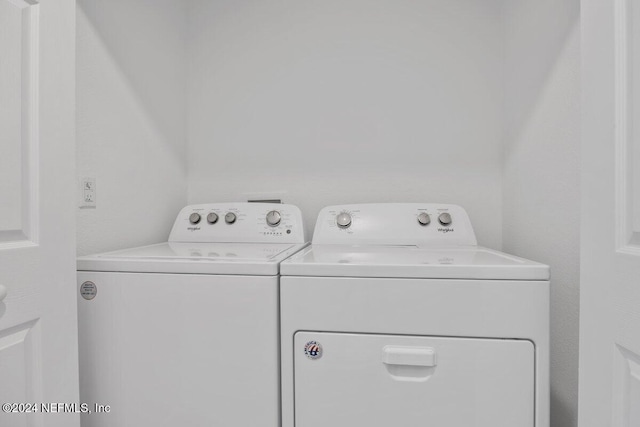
[382, 380]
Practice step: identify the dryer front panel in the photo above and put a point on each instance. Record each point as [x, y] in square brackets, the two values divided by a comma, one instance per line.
[384, 380]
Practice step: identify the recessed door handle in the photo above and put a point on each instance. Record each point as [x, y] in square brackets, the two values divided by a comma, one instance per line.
[3, 292]
[409, 356]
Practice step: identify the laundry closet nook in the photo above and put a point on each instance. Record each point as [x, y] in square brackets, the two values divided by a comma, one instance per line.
[438, 197]
[475, 103]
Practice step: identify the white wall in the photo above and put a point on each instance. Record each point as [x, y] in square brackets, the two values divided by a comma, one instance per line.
[357, 101]
[541, 175]
[131, 127]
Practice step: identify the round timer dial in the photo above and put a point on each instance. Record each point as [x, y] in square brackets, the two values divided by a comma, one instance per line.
[194, 218]
[212, 218]
[424, 219]
[343, 220]
[445, 218]
[230, 218]
[273, 218]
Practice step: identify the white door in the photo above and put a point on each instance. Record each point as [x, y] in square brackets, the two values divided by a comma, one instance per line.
[38, 327]
[610, 238]
[391, 380]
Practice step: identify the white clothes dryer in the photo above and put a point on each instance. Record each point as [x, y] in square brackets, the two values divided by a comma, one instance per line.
[186, 333]
[395, 317]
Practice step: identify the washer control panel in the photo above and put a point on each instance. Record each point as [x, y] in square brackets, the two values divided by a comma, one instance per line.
[419, 224]
[239, 223]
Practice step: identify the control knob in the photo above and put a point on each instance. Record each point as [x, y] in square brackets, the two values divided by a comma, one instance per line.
[273, 218]
[194, 218]
[230, 218]
[212, 218]
[343, 220]
[424, 219]
[445, 218]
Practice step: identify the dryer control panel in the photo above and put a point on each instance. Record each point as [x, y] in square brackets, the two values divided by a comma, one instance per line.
[239, 223]
[418, 224]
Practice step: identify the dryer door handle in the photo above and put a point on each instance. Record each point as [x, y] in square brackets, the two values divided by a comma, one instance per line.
[409, 356]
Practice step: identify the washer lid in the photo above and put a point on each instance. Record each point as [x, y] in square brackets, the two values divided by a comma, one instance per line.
[195, 258]
[411, 262]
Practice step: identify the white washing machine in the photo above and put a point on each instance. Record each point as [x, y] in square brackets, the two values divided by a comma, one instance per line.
[186, 333]
[395, 317]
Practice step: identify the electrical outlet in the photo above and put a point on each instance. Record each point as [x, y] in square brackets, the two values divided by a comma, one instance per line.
[88, 193]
